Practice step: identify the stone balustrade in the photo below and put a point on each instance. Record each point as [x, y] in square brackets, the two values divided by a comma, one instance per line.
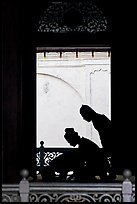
[27, 191]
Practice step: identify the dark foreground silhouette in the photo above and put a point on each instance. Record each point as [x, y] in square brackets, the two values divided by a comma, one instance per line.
[86, 162]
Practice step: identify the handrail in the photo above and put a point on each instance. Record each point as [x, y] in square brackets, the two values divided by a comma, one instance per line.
[62, 191]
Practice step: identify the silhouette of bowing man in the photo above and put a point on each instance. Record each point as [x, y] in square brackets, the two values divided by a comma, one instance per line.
[103, 125]
[90, 161]
[86, 161]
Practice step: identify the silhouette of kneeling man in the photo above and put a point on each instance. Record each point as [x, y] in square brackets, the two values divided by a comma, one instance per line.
[86, 161]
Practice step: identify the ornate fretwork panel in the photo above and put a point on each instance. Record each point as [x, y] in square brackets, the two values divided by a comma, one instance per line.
[10, 197]
[48, 157]
[72, 197]
[64, 17]
[45, 155]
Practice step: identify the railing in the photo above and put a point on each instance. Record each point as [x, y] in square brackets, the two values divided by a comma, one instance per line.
[27, 191]
[45, 155]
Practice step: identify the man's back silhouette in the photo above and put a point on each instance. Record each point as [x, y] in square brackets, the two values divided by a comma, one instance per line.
[103, 125]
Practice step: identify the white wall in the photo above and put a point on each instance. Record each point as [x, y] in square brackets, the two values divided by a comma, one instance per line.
[63, 85]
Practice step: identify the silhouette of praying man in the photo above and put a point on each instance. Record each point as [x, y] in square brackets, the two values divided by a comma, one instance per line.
[90, 161]
[86, 161]
[103, 125]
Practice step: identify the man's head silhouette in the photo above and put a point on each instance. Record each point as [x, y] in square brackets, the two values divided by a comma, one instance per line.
[87, 112]
[71, 136]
